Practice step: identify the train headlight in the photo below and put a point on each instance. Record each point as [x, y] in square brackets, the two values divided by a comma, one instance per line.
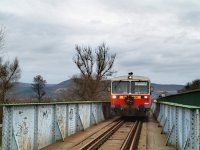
[114, 97]
[129, 77]
[145, 97]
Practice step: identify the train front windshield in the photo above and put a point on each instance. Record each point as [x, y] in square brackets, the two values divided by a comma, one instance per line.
[130, 87]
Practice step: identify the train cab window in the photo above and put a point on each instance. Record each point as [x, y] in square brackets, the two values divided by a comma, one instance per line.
[120, 87]
[139, 87]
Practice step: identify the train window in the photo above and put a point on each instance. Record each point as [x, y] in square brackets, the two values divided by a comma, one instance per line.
[120, 87]
[139, 87]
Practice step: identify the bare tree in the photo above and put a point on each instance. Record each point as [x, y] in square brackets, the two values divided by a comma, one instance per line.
[9, 73]
[93, 69]
[104, 62]
[38, 86]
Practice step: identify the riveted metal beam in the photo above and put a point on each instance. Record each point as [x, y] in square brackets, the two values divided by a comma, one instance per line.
[181, 124]
[34, 126]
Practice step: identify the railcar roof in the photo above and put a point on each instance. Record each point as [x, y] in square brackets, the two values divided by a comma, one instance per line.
[133, 78]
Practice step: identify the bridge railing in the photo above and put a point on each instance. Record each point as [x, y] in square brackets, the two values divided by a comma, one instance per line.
[34, 126]
[179, 117]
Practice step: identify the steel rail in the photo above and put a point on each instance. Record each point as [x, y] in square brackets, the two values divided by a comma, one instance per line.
[102, 128]
[95, 143]
[136, 136]
[128, 140]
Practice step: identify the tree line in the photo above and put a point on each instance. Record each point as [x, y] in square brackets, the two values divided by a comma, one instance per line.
[190, 86]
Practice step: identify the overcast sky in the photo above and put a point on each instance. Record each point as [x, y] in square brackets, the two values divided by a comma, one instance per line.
[156, 38]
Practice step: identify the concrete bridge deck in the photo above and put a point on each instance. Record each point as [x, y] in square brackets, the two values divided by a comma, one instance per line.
[151, 137]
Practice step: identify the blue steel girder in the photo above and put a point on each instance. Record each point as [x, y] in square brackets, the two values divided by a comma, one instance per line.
[92, 117]
[172, 123]
[34, 126]
[35, 143]
[7, 128]
[84, 110]
[46, 125]
[166, 120]
[60, 122]
[72, 123]
[181, 125]
[194, 137]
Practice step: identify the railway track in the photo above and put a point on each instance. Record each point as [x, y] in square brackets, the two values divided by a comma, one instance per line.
[122, 135]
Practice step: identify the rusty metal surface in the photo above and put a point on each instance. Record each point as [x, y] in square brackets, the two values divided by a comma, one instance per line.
[34, 126]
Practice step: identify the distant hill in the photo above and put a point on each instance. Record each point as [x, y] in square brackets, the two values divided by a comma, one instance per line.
[168, 89]
[24, 90]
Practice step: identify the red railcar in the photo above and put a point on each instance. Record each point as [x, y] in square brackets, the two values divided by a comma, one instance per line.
[130, 95]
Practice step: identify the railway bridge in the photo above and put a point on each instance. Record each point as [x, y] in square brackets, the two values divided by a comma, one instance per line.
[74, 125]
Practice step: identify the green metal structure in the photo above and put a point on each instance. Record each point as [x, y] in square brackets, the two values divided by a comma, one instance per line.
[191, 98]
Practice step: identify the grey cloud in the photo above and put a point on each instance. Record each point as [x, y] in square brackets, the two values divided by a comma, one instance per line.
[158, 39]
[191, 19]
